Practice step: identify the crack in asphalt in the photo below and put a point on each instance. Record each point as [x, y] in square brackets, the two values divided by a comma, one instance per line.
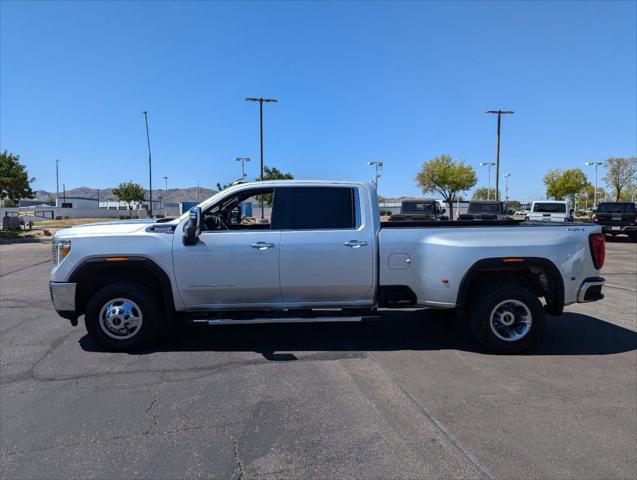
[25, 268]
[116, 437]
[204, 370]
[450, 439]
[239, 469]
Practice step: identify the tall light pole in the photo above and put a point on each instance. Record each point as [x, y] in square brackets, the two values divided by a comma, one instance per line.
[377, 166]
[150, 168]
[166, 184]
[261, 100]
[497, 151]
[242, 160]
[488, 164]
[594, 164]
[506, 188]
[57, 182]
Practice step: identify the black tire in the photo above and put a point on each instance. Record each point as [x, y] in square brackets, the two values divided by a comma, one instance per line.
[521, 300]
[139, 297]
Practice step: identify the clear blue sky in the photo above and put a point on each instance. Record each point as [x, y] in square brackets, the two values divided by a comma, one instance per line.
[392, 82]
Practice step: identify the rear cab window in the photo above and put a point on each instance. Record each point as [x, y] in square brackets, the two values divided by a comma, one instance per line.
[548, 207]
[626, 207]
[317, 208]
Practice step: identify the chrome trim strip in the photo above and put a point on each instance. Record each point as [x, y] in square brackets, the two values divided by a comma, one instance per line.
[232, 321]
[63, 296]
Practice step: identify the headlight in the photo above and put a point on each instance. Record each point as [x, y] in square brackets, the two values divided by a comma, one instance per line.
[61, 249]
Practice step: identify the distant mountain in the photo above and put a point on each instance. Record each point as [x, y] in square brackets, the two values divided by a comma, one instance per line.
[174, 195]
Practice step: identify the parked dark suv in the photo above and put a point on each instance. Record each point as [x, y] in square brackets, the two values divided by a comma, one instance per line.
[485, 211]
[419, 210]
[616, 218]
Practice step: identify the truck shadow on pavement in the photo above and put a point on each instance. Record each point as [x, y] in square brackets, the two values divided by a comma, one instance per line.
[570, 334]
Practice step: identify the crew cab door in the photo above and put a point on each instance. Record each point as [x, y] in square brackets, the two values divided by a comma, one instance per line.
[235, 261]
[327, 254]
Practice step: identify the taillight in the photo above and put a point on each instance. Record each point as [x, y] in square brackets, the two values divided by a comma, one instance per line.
[597, 242]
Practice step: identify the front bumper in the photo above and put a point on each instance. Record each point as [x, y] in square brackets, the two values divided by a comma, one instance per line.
[591, 290]
[63, 298]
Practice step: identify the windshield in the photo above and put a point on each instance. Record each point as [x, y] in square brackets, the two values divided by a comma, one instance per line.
[549, 207]
[484, 208]
[418, 208]
[616, 208]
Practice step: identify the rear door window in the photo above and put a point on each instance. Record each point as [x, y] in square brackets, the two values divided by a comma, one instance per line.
[616, 208]
[317, 208]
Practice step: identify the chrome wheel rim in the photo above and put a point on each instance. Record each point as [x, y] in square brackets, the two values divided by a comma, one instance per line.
[510, 320]
[121, 318]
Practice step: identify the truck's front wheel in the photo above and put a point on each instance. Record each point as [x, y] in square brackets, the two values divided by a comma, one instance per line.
[123, 316]
[506, 318]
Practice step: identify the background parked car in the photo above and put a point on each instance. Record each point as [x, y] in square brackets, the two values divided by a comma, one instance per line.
[485, 211]
[550, 211]
[419, 210]
[616, 218]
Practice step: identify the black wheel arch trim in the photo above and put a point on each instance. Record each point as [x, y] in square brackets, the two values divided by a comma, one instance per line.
[134, 261]
[554, 306]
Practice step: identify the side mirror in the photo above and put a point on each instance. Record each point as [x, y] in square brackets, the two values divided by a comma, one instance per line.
[193, 227]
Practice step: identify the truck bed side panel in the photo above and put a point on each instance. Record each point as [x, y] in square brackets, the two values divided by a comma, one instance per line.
[433, 261]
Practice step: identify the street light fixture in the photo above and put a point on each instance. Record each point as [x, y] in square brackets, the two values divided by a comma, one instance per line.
[261, 100]
[378, 166]
[594, 164]
[488, 164]
[497, 152]
[150, 170]
[506, 188]
[57, 182]
[242, 160]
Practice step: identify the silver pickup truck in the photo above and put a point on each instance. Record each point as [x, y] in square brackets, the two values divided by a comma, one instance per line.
[320, 254]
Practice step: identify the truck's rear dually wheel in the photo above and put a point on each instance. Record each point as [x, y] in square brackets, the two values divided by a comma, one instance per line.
[506, 318]
[123, 316]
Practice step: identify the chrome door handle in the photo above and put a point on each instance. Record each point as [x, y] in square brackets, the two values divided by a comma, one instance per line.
[262, 245]
[355, 243]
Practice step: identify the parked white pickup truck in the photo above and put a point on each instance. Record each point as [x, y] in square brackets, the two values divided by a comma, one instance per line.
[323, 255]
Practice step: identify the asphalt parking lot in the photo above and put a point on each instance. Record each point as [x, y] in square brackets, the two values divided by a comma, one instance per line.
[408, 397]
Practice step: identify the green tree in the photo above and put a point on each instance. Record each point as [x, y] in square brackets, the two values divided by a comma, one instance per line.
[448, 178]
[129, 192]
[620, 174]
[14, 179]
[273, 173]
[483, 193]
[561, 184]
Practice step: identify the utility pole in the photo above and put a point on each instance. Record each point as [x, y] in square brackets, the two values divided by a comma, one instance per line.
[242, 160]
[488, 164]
[497, 152]
[166, 184]
[377, 166]
[98, 198]
[64, 190]
[57, 182]
[506, 188]
[150, 169]
[261, 100]
[594, 164]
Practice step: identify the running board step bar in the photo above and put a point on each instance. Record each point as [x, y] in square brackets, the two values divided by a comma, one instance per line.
[266, 320]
